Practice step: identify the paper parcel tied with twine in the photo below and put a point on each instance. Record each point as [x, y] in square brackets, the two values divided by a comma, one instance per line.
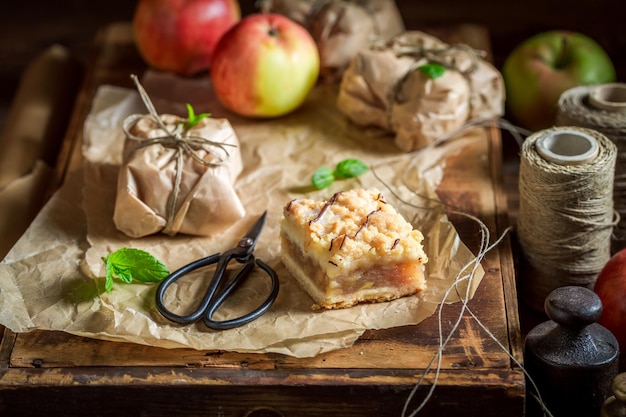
[176, 179]
[420, 88]
[340, 28]
[54, 277]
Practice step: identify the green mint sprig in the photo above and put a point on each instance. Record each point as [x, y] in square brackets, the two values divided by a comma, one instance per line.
[432, 70]
[128, 264]
[193, 118]
[322, 178]
[348, 168]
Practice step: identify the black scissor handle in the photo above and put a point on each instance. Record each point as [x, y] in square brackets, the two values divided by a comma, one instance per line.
[210, 303]
[175, 276]
[254, 314]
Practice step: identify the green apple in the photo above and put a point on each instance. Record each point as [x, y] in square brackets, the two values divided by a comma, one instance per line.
[264, 66]
[541, 68]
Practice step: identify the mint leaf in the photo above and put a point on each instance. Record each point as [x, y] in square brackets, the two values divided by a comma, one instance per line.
[192, 118]
[128, 264]
[108, 285]
[322, 178]
[432, 70]
[350, 168]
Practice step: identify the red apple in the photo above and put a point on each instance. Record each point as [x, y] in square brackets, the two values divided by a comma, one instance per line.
[264, 66]
[541, 68]
[179, 36]
[611, 288]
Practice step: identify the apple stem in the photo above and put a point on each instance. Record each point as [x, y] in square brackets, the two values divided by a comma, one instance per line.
[561, 61]
[273, 32]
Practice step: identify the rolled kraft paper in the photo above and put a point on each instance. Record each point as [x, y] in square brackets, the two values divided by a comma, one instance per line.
[33, 130]
[20, 201]
[36, 122]
[602, 108]
[566, 215]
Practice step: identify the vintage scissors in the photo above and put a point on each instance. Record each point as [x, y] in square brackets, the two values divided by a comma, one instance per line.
[219, 290]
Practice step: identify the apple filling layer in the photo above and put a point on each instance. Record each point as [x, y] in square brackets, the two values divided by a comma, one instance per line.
[354, 248]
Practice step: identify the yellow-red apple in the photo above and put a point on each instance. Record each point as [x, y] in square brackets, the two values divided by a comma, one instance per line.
[179, 36]
[544, 66]
[264, 66]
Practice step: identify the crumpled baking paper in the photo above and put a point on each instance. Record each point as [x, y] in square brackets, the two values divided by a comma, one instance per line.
[53, 277]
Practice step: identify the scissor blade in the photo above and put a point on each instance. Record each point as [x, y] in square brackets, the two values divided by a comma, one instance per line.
[255, 231]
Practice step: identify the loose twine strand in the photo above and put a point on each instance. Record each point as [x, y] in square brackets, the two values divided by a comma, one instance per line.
[574, 109]
[566, 217]
[467, 274]
[179, 139]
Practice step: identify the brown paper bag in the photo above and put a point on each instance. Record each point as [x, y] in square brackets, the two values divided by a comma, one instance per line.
[340, 28]
[178, 181]
[384, 87]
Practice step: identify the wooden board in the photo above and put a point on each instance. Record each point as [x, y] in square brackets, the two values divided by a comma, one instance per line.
[76, 376]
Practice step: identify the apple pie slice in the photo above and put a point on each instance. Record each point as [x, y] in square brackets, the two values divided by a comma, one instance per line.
[354, 248]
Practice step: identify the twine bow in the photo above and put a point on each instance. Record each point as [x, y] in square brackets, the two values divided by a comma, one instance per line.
[179, 139]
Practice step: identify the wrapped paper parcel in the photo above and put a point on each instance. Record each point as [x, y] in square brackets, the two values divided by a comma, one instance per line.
[384, 87]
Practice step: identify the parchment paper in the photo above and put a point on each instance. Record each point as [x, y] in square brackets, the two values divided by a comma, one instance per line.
[52, 279]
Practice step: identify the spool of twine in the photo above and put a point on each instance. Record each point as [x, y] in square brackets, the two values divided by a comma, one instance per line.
[602, 108]
[566, 214]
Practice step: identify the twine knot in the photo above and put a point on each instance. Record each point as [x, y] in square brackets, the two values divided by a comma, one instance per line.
[181, 140]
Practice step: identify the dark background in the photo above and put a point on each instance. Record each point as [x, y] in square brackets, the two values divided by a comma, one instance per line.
[28, 27]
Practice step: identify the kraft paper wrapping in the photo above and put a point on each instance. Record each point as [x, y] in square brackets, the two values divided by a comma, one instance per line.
[36, 122]
[20, 201]
[30, 137]
[53, 278]
[205, 202]
[341, 28]
[383, 88]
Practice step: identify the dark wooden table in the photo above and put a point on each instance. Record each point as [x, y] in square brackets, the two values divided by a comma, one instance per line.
[69, 375]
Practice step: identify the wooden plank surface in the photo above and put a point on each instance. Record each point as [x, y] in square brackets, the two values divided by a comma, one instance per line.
[374, 377]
